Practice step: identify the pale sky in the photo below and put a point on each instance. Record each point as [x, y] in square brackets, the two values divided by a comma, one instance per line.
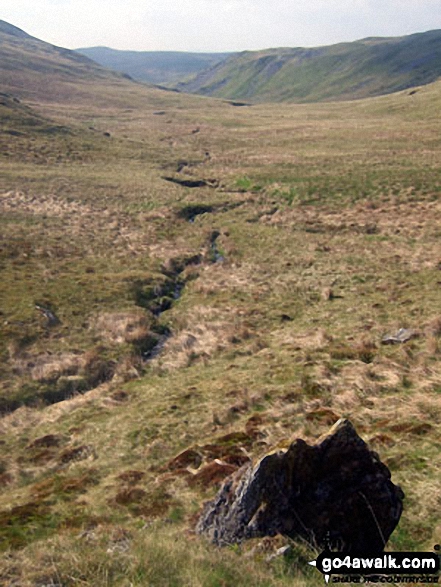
[217, 25]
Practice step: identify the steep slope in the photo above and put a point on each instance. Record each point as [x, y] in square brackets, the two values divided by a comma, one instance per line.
[156, 67]
[365, 68]
[32, 68]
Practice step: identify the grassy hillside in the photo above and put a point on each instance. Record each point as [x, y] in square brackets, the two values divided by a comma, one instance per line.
[264, 295]
[32, 68]
[155, 67]
[347, 71]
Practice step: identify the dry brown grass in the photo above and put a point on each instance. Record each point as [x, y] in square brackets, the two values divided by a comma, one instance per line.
[123, 327]
[314, 340]
[433, 328]
[256, 350]
[204, 332]
[48, 367]
[48, 205]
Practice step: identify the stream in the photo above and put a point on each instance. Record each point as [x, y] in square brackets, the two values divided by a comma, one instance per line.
[160, 299]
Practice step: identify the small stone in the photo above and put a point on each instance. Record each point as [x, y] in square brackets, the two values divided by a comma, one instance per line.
[403, 335]
[283, 551]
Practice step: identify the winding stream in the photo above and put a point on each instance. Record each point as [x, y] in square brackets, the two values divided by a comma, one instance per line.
[166, 295]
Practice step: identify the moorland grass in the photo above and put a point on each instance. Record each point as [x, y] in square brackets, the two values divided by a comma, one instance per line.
[337, 247]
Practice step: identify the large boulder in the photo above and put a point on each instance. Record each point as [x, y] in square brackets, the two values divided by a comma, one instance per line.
[336, 493]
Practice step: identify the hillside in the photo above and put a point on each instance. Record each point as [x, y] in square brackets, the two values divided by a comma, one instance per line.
[188, 286]
[346, 71]
[155, 67]
[31, 68]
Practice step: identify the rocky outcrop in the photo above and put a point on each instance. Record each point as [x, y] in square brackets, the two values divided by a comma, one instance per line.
[336, 493]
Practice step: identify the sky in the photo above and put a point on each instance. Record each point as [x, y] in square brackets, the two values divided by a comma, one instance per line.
[216, 25]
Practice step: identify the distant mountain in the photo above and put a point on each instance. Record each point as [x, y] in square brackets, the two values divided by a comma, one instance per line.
[31, 68]
[346, 71]
[156, 67]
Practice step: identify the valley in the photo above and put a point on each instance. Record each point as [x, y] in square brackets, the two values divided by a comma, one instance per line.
[188, 286]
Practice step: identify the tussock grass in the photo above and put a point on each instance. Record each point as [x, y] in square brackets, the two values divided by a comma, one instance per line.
[123, 327]
[152, 556]
[337, 247]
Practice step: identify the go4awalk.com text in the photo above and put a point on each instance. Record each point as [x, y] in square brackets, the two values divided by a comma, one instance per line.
[395, 567]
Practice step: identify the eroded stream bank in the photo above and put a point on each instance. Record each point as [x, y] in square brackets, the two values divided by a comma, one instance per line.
[160, 298]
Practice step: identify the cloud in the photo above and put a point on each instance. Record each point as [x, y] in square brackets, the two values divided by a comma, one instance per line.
[217, 25]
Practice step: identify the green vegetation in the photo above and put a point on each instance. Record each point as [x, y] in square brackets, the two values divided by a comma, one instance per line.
[347, 71]
[327, 218]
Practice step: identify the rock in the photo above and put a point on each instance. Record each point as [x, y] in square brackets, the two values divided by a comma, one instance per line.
[403, 335]
[283, 551]
[336, 493]
[51, 318]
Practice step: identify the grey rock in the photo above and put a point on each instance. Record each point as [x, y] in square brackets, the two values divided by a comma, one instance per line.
[336, 494]
[403, 335]
[283, 551]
